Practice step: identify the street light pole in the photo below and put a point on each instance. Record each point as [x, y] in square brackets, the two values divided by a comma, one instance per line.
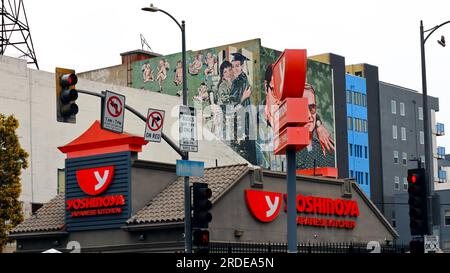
[185, 156]
[427, 132]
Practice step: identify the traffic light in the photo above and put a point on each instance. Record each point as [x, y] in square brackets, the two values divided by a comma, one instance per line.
[201, 205]
[418, 205]
[66, 95]
[201, 240]
[201, 216]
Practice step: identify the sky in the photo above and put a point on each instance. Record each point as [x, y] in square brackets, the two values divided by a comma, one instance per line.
[87, 35]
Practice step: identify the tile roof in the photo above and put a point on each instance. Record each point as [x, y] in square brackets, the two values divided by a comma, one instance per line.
[168, 205]
[49, 217]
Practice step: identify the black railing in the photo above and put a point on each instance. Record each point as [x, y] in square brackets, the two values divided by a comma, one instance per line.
[308, 247]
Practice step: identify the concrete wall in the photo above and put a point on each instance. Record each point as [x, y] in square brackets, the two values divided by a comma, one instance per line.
[147, 180]
[30, 95]
[116, 75]
[231, 213]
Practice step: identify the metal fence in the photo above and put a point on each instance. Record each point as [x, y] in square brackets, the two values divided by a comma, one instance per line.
[308, 247]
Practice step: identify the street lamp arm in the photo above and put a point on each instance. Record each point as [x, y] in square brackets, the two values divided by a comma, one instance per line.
[173, 18]
[433, 30]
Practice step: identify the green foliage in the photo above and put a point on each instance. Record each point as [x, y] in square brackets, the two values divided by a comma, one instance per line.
[12, 160]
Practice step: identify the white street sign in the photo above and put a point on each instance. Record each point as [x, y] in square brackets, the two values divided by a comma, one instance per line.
[188, 129]
[431, 243]
[113, 112]
[154, 125]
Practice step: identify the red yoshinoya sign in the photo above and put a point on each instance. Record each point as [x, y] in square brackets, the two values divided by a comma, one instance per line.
[93, 182]
[265, 206]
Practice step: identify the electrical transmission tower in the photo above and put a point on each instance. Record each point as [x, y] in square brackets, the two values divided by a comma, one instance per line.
[15, 36]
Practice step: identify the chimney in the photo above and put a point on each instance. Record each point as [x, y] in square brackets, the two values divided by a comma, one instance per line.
[137, 55]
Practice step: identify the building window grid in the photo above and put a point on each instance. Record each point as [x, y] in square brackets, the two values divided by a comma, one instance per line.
[420, 113]
[405, 184]
[403, 132]
[402, 109]
[395, 157]
[394, 131]
[421, 137]
[405, 159]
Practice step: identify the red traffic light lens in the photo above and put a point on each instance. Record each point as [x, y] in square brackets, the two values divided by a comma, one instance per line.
[413, 179]
[68, 80]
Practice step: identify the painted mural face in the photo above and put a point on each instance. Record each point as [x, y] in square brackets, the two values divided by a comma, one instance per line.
[237, 68]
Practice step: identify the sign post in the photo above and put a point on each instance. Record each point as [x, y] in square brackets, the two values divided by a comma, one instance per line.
[113, 112]
[154, 125]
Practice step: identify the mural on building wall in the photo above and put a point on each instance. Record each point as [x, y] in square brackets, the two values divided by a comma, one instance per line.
[228, 83]
[319, 92]
[221, 81]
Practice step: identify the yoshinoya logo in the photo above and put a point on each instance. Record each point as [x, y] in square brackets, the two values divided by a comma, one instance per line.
[95, 181]
[265, 206]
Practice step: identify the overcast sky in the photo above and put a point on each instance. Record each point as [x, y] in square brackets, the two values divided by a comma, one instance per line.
[86, 35]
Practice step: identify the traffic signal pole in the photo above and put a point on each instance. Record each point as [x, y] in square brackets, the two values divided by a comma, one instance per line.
[427, 133]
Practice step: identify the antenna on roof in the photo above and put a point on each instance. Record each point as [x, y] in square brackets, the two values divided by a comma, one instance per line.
[144, 42]
[15, 32]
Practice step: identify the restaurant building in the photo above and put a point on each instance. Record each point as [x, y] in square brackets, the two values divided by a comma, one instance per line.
[115, 202]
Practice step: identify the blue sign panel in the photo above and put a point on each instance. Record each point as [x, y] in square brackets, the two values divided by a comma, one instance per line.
[98, 191]
[190, 168]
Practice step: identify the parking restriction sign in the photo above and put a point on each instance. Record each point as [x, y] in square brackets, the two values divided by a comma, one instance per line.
[188, 129]
[154, 125]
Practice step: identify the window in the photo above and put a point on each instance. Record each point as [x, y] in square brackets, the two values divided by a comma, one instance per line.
[349, 123]
[396, 183]
[394, 221]
[351, 149]
[365, 126]
[405, 184]
[394, 131]
[354, 98]
[349, 96]
[447, 217]
[420, 113]
[367, 179]
[421, 137]
[365, 151]
[403, 131]
[404, 159]
[402, 109]
[35, 207]
[396, 157]
[351, 174]
[356, 151]
[364, 100]
[393, 107]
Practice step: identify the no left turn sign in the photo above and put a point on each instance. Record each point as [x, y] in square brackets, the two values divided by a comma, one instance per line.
[113, 112]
